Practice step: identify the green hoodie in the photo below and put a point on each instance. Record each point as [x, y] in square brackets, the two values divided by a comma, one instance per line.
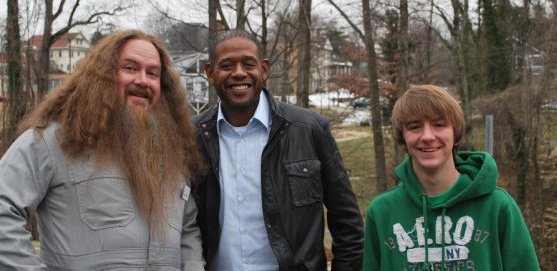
[483, 227]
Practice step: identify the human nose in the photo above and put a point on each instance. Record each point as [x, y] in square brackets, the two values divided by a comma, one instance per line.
[427, 132]
[141, 79]
[238, 71]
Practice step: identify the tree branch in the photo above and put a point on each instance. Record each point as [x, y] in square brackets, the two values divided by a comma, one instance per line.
[345, 16]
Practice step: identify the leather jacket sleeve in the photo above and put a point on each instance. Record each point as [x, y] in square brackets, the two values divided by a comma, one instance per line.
[343, 215]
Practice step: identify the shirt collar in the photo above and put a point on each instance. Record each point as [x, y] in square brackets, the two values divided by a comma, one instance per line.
[262, 113]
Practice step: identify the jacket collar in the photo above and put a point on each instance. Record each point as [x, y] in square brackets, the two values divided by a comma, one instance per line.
[209, 118]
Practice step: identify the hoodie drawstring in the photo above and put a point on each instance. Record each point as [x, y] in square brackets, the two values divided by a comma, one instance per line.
[425, 264]
[443, 239]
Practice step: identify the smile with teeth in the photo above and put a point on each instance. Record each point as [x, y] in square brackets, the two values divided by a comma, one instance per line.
[240, 87]
[429, 149]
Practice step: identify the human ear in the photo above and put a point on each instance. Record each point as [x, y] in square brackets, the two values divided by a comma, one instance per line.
[208, 68]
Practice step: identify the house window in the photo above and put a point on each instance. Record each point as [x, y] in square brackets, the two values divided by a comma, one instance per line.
[52, 84]
[59, 53]
[68, 68]
[189, 86]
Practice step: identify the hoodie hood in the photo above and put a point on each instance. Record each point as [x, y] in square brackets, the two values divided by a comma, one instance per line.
[478, 177]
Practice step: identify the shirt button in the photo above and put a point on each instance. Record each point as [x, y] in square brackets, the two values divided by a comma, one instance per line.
[305, 170]
[269, 226]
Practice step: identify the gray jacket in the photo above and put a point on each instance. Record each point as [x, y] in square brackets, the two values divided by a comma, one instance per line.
[87, 218]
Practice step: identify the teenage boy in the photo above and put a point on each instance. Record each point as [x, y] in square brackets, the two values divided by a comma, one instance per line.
[447, 213]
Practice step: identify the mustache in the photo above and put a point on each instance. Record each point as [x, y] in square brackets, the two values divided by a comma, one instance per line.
[139, 91]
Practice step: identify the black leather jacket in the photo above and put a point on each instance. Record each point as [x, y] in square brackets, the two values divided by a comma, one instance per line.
[301, 171]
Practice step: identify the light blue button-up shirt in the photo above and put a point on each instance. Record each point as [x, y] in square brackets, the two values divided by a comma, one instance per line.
[244, 244]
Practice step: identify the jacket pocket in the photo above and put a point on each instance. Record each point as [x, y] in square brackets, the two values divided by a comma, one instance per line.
[304, 178]
[103, 195]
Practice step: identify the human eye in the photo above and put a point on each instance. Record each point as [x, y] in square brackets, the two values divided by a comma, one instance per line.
[226, 66]
[128, 67]
[412, 125]
[251, 63]
[153, 73]
[441, 123]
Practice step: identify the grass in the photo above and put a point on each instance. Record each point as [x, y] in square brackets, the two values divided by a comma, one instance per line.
[359, 162]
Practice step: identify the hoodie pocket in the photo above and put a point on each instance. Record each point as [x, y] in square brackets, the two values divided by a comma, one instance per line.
[104, 197]
[304, 178]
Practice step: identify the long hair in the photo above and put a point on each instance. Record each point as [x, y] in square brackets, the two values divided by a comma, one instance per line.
[86, 107]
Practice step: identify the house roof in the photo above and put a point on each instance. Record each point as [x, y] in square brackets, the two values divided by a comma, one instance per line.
[63, 42]
[189, 59]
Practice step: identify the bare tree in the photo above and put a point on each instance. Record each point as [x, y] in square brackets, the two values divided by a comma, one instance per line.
[213, 31]
[240, 14]
[403, 67]
[304, 53]
[51, 14]
[376, 118]
[16, 104]
[461, 46]
[376, 121]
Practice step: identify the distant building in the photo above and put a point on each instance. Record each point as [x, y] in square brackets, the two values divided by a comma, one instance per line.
[325, 64]
[65, 52]
[188, 43]
[190, 67]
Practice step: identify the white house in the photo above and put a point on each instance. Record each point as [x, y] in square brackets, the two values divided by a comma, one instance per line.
[66, 51]
[190, 67]
[325, 64]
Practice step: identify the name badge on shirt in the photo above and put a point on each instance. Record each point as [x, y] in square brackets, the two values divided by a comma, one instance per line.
[186, 193]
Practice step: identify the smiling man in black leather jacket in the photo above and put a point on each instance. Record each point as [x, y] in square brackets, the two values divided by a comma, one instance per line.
[300, 171]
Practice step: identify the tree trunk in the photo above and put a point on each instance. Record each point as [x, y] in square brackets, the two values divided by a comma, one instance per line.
[50, 15]
[213, 31]
[240, 14]
[380, 169]
[304, 54]
[15, 102]
[264, 30]
[461, 49]
[403, 73]
[44, 51]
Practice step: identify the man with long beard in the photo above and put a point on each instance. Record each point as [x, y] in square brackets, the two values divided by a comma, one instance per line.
[105, 163]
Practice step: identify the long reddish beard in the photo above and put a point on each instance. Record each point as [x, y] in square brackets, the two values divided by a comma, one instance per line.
[149, 149]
